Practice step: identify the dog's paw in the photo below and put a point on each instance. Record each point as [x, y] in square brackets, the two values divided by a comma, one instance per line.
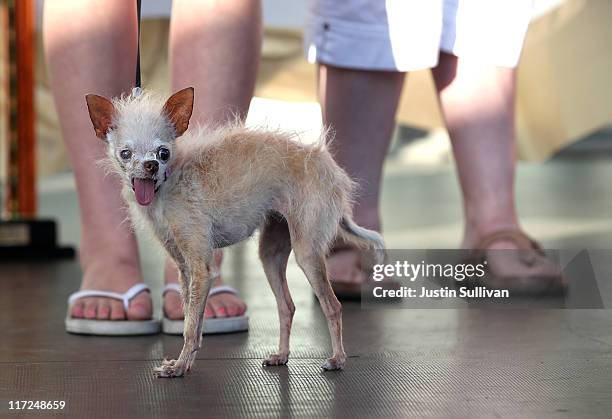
[168, 362]
[333, 364]
[275, 360]
[169, 369]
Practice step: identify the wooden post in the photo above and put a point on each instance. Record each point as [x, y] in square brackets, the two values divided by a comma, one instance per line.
[22, 235]
[21, 193]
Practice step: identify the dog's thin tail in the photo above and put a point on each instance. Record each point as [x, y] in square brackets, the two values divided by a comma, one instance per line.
[363, 238]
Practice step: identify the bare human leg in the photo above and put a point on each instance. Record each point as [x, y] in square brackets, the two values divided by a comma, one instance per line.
[478, 105]
[360, 106]
[94, 42]
[214, 47]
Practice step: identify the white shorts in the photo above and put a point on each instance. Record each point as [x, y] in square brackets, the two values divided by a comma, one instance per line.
[406, 35]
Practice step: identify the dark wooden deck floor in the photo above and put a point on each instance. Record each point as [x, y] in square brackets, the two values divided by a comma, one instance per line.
[403, 363]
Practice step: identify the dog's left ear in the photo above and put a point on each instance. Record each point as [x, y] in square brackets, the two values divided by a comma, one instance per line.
[179, 108]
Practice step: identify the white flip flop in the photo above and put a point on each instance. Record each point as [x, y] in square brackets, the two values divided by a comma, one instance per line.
[212, 326]
[111, 327]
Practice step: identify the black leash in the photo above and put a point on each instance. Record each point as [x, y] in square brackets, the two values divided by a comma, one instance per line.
[138, 81]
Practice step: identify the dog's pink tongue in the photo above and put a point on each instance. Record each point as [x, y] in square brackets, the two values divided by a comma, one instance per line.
[145, 190]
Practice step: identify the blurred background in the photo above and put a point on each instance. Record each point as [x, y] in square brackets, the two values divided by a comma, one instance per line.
[564, 94]
[564, 106]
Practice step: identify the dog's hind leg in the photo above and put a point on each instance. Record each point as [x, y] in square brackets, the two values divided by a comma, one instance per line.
[312, 262]
[274, 249]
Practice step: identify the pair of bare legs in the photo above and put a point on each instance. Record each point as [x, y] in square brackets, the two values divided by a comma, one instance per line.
[91, 48]
[478, 105]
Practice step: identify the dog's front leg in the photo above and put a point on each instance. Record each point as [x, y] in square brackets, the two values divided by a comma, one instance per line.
[194, 263]
[199, 286]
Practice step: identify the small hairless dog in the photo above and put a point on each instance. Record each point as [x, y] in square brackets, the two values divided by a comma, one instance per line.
[214, 187]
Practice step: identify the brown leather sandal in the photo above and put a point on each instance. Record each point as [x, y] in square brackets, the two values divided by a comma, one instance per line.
[533, 273]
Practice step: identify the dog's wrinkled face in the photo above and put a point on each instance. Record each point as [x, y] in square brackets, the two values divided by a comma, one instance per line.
[140, 135]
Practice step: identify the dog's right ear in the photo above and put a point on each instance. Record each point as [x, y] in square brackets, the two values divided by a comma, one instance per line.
[101, 112]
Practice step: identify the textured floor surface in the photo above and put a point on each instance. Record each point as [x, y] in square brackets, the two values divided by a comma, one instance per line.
[403, 363]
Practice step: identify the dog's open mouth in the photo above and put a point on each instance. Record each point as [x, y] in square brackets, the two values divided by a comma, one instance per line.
[144, 189]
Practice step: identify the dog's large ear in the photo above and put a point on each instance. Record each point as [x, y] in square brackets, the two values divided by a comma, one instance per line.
[179, 108]
[101, 112]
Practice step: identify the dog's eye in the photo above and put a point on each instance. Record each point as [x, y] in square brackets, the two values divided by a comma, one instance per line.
[125, 154]
[163, 153]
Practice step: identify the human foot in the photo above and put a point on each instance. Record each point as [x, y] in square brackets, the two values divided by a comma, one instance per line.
[347, 267]
[218, 305]
[344, 266]
[114, 275]
[517, 263]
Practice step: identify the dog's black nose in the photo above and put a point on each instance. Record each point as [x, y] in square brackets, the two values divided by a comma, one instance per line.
[151, 166]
